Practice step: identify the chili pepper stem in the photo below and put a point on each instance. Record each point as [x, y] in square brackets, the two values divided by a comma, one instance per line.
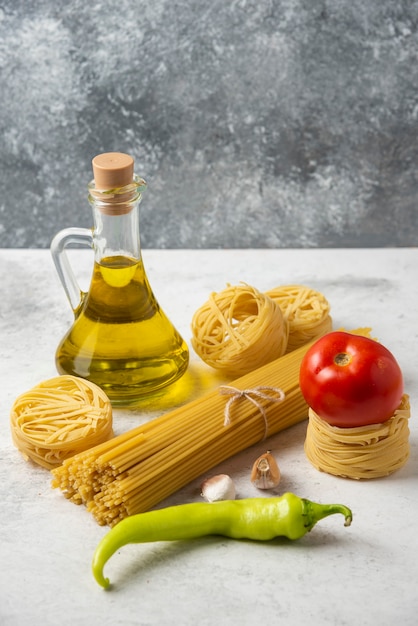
[314, 512]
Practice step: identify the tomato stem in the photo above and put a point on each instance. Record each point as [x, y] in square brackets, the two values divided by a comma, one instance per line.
[342, 359]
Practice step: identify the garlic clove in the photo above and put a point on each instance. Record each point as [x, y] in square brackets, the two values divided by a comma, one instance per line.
[219, 487]
[265, 472]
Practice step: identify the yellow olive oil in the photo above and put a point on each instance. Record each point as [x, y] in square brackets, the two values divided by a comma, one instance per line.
[121, 339]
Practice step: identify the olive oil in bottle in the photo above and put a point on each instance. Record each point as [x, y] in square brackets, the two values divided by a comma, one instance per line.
[120, 339]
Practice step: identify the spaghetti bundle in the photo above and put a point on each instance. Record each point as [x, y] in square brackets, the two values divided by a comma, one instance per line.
[136, 470]
[371, 451]
[58, 418]
[238, 330]
[307, 312]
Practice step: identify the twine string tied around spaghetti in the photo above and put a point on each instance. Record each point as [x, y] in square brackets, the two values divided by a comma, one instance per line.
[255, 395]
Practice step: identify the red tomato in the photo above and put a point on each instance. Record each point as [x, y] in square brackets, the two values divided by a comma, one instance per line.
[351, 381]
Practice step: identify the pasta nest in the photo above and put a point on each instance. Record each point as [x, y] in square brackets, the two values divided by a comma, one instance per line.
[59, 418]
[239, 329]
[372, 451]
[307, 312]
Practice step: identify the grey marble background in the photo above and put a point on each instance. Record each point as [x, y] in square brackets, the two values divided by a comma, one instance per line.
[257, 123]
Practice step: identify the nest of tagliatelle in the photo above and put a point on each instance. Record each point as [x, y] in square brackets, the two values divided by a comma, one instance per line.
[239, 329]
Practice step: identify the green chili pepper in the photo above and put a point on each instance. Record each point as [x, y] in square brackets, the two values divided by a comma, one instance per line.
[259, 519]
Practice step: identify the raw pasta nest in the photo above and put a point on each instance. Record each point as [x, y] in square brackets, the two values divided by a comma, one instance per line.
[371, 451]
[239, 329]
[306, 311]
[59, 418]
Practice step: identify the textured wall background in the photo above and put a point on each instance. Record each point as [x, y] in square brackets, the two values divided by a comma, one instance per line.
[257, 123]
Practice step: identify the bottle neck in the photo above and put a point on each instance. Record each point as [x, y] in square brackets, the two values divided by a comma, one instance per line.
[116, 221]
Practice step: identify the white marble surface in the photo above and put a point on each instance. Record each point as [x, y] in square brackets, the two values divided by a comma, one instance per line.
[363, 575]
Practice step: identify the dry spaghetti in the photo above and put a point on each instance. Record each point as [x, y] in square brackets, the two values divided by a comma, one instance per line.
[59, 418]
[307, 312]
[138, 469]
[370, 451]
[238, 330]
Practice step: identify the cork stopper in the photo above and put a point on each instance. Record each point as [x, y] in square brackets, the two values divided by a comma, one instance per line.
[112, 170]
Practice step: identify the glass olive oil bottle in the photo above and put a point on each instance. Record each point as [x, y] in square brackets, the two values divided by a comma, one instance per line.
[120, 339]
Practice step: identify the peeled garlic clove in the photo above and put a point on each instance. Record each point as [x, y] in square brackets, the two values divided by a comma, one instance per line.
[219, 487]
[265, 473]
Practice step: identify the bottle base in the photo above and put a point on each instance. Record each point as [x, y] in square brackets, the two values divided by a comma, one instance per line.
[126, 387]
